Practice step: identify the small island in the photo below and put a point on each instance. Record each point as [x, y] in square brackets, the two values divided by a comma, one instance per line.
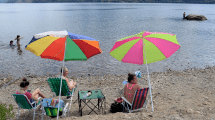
[195, 17]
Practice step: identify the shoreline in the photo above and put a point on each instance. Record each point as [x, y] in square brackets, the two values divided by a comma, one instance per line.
[15, 78]
[188, 94]
[6, 80]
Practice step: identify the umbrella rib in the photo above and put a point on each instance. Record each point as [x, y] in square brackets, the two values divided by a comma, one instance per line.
[59, 52]
[133, 45]
[152, 43]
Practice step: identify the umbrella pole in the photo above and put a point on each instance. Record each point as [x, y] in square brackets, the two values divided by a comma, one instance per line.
[61, 83]
[60, 92]
[150, 89]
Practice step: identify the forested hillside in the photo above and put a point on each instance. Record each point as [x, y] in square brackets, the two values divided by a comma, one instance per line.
[120, 1]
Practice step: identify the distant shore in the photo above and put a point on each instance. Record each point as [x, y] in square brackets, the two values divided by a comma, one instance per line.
[188, 94]
[107, 1]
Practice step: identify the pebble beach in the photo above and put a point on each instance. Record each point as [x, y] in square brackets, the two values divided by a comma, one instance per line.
[177, 95]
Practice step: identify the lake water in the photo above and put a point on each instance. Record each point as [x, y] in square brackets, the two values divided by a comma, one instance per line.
[106, 22]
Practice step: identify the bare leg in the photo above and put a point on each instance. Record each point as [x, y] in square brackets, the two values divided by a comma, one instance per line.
[74, 84]
[18, 43]
[71, 85]
[36, 94]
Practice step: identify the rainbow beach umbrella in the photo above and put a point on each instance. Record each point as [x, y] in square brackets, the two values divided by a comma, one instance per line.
[144, 48]
[63, 46]
[53, 45]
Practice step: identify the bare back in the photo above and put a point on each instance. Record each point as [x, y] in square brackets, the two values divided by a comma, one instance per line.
[129, 91]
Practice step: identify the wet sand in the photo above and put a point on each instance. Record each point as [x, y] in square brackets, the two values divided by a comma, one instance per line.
[177, 95]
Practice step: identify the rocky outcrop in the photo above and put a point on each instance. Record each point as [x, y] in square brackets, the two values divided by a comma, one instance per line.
[195, 17]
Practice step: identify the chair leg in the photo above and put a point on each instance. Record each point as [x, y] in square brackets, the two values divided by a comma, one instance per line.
[65, 110]
[70, 106]
[123, 108]
[146, 109]
[18, 114]
[75, 100]
[34, 114]
[42, 113]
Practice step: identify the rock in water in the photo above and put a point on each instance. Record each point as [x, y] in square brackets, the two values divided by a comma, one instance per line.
[195, 17]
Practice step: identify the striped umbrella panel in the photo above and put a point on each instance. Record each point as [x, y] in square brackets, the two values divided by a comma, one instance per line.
[158, 46]
[53, 48]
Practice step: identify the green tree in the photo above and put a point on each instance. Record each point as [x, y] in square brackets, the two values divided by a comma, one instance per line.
[6, 113]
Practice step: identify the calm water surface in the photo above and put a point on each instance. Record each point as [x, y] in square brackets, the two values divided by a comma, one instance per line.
[106, 22]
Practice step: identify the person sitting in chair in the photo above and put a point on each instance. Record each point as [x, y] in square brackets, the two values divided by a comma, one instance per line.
[32, 97]
[71, 84]
[131, 87]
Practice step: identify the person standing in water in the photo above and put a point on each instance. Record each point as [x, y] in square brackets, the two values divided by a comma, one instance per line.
[19, 50]
[184, 15]
[18, 39]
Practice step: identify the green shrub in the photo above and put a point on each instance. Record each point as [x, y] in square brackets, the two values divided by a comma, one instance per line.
[6, 113]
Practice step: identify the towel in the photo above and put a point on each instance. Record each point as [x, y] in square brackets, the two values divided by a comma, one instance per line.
[125, 82]
[48, 102]
[54, 102]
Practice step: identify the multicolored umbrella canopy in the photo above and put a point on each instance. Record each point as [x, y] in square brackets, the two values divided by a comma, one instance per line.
[51, 45]
[63, 46]
[145, 47]
[158, 46]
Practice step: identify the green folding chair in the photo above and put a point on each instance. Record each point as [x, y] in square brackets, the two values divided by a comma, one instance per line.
[24, 103]
[54, 83]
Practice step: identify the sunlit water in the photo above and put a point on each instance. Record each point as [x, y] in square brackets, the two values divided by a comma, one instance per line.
[106, 22]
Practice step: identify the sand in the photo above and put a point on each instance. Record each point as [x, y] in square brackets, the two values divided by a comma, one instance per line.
[177, 95]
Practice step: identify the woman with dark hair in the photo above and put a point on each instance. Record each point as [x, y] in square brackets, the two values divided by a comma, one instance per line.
[18, 39]
[11, 43]
[32, 97]
[131, 87]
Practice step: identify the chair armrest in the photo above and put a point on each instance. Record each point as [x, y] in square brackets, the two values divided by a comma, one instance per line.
[40, 102]
[33, 103]
[126, 101]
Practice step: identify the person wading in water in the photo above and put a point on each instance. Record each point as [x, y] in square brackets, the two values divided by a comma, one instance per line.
[18, 39]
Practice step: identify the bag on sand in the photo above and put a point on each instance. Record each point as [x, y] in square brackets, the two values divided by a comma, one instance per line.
[51, 106]
[119, 100]
[116, 107]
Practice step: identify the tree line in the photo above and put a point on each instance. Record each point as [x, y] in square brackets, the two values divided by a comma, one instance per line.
[113, 1]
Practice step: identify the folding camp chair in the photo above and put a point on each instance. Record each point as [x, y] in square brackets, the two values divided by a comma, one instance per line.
[139, 101]
[24, 103]
[54, 84]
